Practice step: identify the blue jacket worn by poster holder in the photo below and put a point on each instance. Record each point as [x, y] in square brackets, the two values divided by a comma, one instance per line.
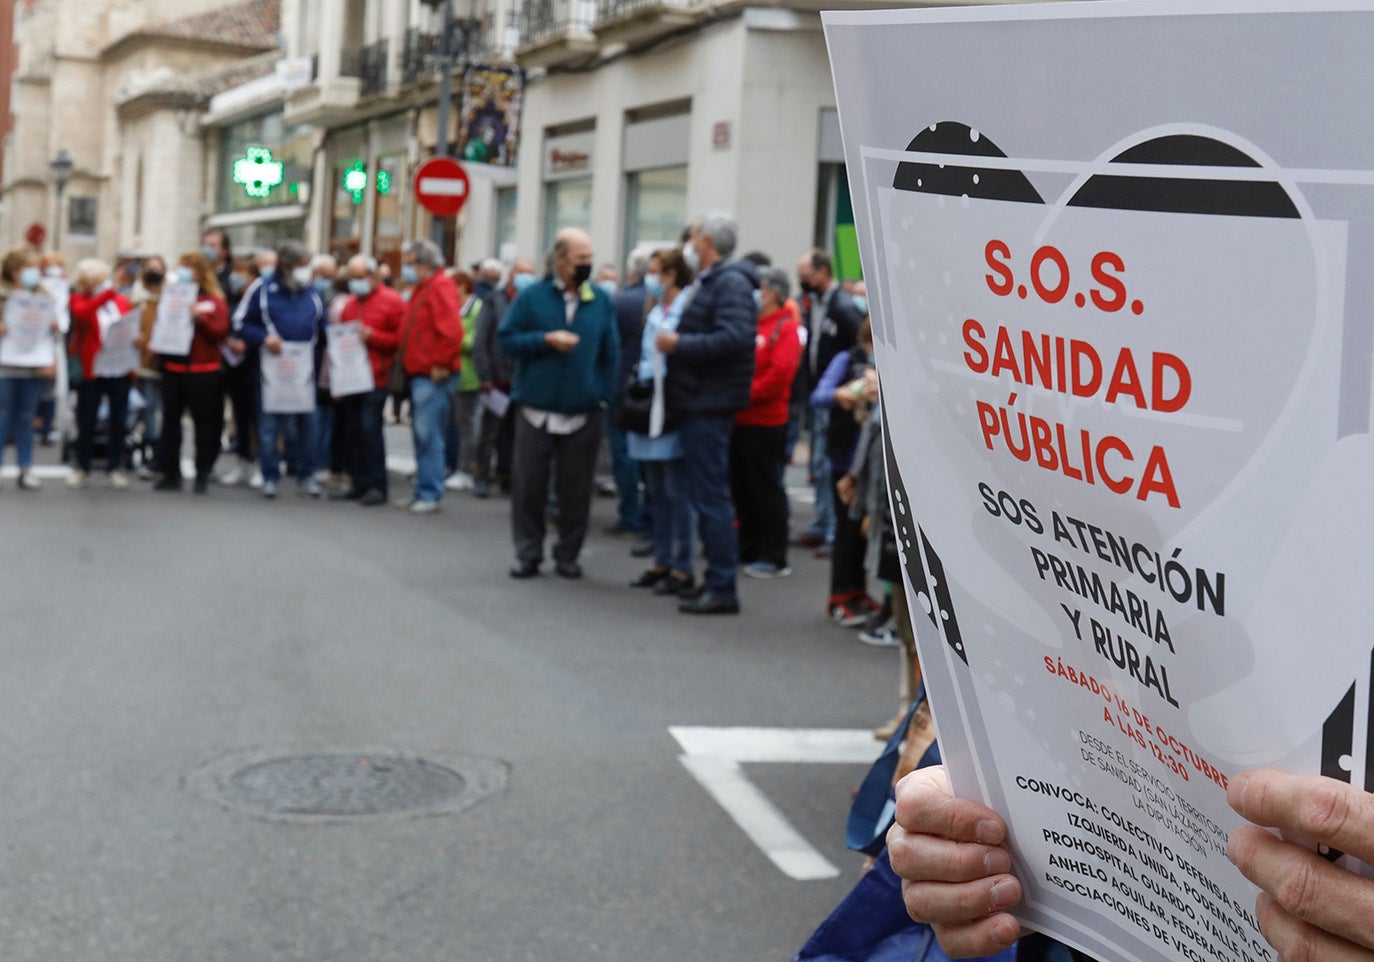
[875, 805]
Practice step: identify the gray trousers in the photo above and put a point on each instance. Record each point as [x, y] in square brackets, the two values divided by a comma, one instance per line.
[570, 460]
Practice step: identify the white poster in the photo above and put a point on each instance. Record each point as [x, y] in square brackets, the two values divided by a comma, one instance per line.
[118, 354]
[61, 292]
[288, 379]
[350, 369]
[28, 341]
[175, 327]
[1124, 353]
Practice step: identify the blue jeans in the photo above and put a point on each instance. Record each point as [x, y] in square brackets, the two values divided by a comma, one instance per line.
[706, 454]
[322, 431]
[824, 523]
[666, 482]
[296, 431]
[429, 406]
[630, 515]
[151, 389]
[19, 398]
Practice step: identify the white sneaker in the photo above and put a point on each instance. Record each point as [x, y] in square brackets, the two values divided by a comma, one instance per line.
[311, 489]
[76, 480]
[255, 482]
[236, 475]
[117, 480]
[424, 507]
[460, 481]
[27, 482]
[322, 476]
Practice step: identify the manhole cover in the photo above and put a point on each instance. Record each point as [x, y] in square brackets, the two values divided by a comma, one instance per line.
[342, 786]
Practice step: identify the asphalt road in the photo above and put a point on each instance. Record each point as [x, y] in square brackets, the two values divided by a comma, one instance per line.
[145, 636]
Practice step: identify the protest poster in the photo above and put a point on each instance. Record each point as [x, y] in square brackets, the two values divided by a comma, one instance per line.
[28, 341]
[1126, 383]
[118, 354]
[288, 379]
[174, 328]
[350, 368]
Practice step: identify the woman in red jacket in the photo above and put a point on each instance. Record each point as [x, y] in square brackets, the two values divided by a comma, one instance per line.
[758, 447]
[96, 306]
[193, 381]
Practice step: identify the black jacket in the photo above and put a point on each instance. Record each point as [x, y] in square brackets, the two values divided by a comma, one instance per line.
[629, 317]
[491, 365]
[713, 367]
[839, 332]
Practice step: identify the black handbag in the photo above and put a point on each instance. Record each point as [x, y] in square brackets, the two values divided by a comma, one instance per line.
[636, 402]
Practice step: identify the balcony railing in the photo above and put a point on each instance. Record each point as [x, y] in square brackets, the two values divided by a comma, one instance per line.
[471, 40]
[372, 68]
[609, 9]
[543, 19]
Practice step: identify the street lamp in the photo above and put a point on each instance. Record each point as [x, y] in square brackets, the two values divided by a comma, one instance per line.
[61, 169]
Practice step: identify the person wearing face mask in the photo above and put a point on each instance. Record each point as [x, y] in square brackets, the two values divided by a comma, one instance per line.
[832, 323]
[192, 382]
[562, 334]
[460, 442]
[758, 447]
[658, 454]
[54, 268]
[22, 387]
[496, 432]
[150, 370]
[710, 370]
[382, 314]
[95, 306]
[608, 279]
[324, 270]
[847, 390]
[630, 306]
[284, 309]
[431, 354]
[240, 375]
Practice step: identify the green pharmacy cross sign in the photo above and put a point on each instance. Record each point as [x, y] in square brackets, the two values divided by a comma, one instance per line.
[355, 181]
[258, 173]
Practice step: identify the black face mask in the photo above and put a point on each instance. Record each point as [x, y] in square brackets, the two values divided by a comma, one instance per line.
[153, 278]
[581, 274]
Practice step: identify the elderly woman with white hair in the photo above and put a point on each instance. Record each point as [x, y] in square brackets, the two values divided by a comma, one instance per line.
[96, 307]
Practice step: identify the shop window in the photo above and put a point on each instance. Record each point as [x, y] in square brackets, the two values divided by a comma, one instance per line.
[567, 203]
[263, 163]
[506, 209]
[655, 207]
[387, 228]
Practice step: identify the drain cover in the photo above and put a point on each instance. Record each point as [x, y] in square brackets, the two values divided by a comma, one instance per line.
[341, 786]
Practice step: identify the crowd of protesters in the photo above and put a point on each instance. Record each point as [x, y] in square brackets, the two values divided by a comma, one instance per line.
[699, 368]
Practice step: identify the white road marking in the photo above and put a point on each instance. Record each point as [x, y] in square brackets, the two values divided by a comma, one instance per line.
[60, 472]
[714, 757]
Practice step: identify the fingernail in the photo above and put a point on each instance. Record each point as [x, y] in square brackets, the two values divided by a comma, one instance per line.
[1006, 933]
[988, 832]
[996, 862]
[1003, 894]
[1236, 790]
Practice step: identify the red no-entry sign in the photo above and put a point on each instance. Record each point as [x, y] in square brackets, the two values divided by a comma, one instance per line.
[441, 186]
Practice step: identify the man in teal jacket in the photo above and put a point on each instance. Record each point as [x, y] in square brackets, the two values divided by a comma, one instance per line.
[562, 335]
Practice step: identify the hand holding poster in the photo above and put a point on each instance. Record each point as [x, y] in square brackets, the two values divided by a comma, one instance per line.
[288, 379]
[29, 317]
[350, 369]
[1128, 403]
[118, 355]
[175, 327]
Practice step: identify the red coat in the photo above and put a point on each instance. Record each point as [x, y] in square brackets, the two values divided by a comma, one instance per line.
[777, 354]
[383, 314]
[212, 328]
[435, 336]
[85, 310]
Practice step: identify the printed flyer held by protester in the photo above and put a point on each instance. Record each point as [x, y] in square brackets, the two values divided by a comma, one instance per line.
[1129, 425]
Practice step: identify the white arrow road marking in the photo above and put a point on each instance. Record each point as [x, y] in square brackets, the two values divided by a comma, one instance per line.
[443, 187]
[714, 757]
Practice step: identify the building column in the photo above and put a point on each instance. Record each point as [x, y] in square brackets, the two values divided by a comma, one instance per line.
[317, 224]
[368, 210]
[331, 38]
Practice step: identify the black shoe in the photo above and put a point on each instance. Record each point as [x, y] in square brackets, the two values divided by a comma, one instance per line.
[168, 483]
[675, 586]
[524, 570]
[346, 494]
[202, 484]
[709, 604]
[569, 569]
[643, 548]
[371, 499]
[649, 578]
[481, 489]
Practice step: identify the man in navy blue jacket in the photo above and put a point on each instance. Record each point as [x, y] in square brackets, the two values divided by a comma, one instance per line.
[710, 372]
[629, 316]
[278, 314]
[561, 332]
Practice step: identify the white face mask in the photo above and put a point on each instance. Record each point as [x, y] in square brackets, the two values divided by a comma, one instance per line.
[301, 278]
[690, 255]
